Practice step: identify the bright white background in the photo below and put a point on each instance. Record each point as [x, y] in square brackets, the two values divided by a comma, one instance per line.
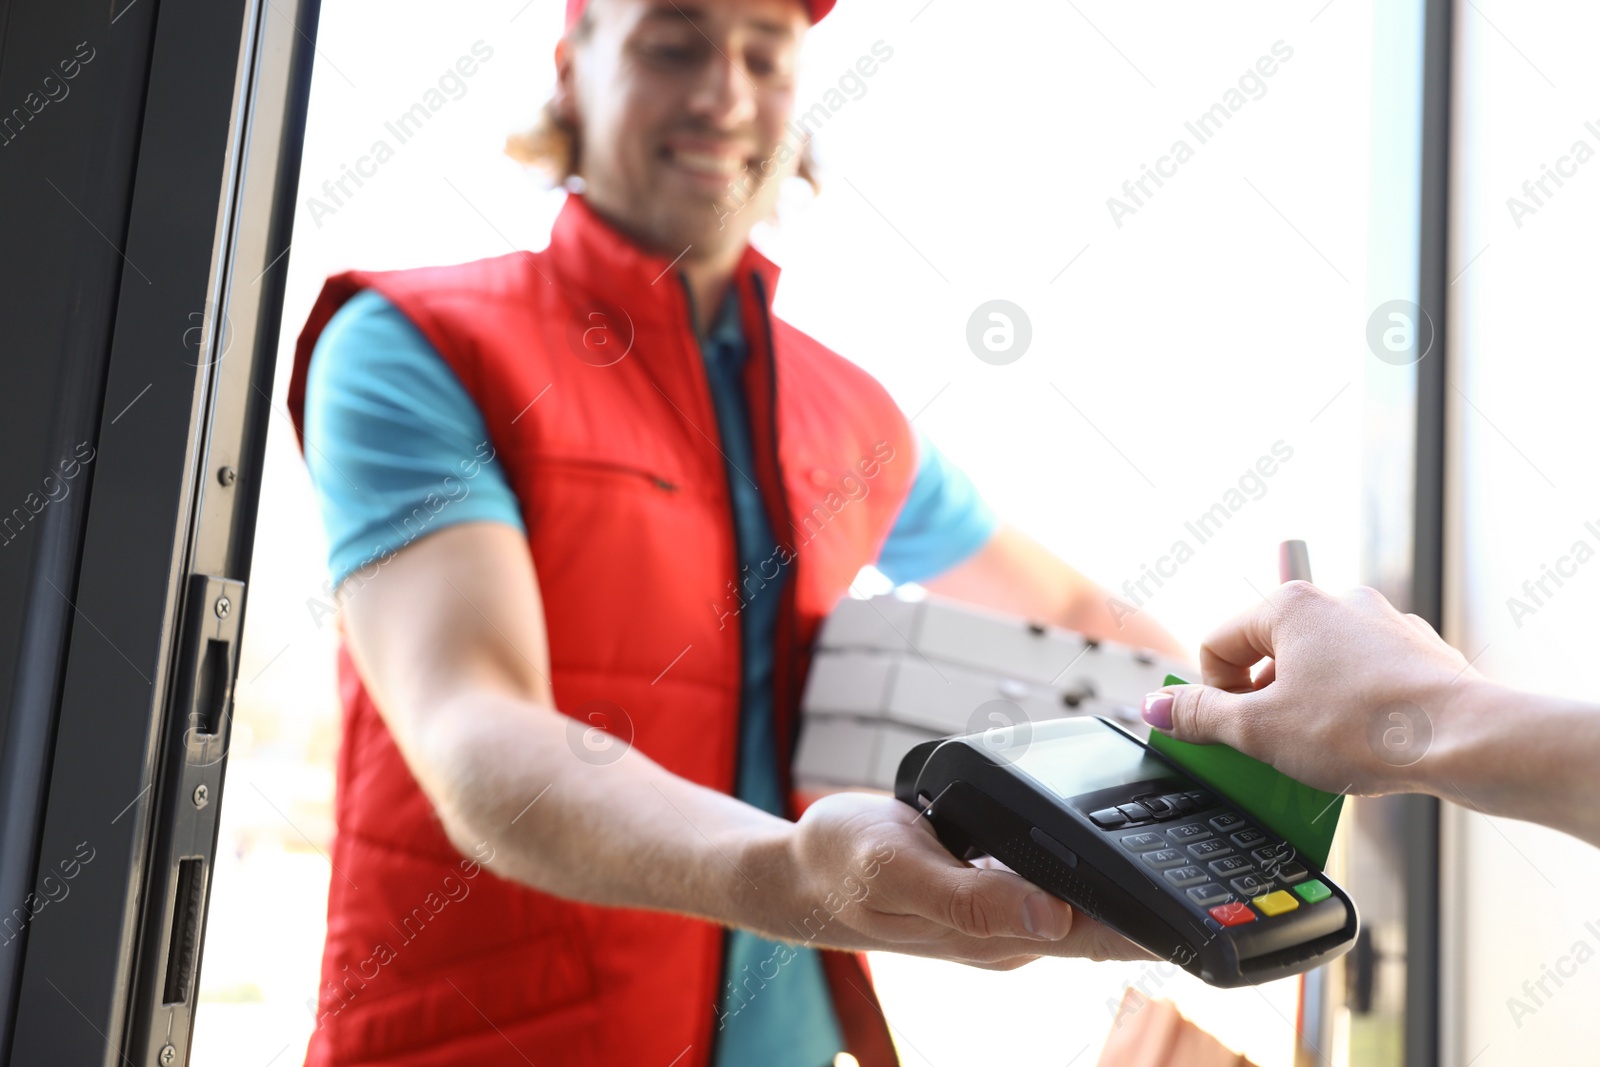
[1167, 356]
[1523, 386]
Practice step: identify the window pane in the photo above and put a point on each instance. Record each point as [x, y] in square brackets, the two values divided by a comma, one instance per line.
[1181, 204]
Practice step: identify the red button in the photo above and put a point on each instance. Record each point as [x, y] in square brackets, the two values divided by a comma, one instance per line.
[1233, 914]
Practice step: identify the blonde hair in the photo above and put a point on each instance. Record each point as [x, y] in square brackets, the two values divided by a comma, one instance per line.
[549, 146]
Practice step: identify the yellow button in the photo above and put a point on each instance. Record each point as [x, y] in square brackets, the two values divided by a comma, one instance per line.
[1276, 903]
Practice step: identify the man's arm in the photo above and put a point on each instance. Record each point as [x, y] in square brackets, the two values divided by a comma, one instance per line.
[1014, 573]
[450, 638]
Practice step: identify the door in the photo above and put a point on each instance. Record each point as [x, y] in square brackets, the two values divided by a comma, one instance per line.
[145, 159]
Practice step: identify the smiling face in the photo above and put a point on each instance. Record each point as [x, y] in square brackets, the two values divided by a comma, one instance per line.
[681, 110]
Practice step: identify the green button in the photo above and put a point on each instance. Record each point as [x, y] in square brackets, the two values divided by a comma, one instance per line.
[1313, 891]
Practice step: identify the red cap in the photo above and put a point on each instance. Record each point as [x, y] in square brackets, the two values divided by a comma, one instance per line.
[818, 9]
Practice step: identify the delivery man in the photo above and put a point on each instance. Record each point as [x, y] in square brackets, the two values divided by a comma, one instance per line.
[587, 507]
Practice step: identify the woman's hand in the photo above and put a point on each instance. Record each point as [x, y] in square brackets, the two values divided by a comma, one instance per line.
[1350, 698]
[863, 871]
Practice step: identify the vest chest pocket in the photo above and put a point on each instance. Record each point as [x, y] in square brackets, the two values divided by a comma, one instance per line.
[586, 466]
[620, 547]
[600, 500]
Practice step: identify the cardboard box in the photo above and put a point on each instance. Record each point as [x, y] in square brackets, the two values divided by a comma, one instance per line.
[889, 673]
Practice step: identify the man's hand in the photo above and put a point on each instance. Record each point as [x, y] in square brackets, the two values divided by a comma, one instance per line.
[864, 871]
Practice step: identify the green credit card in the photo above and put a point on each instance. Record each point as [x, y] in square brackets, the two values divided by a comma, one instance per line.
[1302, 815]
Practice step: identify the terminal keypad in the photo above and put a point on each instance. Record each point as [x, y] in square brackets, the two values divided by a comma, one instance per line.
[1224, 866]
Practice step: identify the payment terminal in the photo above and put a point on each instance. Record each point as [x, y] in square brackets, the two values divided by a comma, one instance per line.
[1086, 811]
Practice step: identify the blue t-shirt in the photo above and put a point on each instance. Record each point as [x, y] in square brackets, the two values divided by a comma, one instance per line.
[396, 446]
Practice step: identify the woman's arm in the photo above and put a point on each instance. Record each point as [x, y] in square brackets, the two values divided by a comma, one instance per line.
[1355, 697]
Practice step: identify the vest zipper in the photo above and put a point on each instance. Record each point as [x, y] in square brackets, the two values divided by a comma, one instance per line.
[786, 655]
[784, 687]
[719, 972]
[733, 562]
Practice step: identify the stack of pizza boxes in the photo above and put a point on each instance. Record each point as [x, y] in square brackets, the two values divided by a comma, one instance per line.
[889, 672]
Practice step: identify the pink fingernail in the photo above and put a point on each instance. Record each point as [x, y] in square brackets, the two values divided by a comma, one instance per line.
[1157, 710]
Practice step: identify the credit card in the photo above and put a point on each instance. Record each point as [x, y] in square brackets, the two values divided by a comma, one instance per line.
[1302, 815]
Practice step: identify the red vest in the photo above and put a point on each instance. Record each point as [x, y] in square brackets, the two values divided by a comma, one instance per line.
[583, 361]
